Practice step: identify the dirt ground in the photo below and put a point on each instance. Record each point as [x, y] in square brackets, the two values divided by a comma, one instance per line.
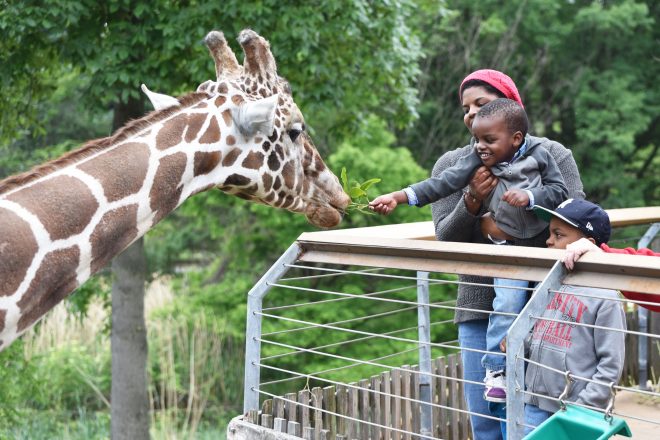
[644, 407]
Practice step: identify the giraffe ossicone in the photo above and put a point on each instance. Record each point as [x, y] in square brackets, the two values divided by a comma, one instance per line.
[242, 133]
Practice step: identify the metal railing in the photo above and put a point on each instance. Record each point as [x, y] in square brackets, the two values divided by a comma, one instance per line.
[317, 257]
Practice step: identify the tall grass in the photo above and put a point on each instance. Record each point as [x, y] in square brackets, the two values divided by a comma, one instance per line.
[194, 373]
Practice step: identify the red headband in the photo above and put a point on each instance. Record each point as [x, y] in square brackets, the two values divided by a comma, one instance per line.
[496, 79]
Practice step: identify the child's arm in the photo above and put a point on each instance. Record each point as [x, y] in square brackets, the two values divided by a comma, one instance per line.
[553, 190]
[387, 203]
[610, 351]
[452, 179]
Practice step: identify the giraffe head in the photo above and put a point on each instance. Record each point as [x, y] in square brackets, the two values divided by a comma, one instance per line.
[268, 158]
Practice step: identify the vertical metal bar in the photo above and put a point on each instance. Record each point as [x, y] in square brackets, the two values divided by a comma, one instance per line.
[253, 328]
[424, 331]
[642, 317]
[515, 377]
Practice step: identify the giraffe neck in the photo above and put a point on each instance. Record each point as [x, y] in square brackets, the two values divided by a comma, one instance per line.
[58, 229]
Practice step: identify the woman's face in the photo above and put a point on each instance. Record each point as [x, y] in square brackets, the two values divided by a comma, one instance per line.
[473, 99]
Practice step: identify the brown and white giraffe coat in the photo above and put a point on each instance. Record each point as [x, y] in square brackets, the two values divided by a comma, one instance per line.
[65, 220]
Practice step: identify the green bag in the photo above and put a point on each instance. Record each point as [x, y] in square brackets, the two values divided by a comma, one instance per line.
[576, 422]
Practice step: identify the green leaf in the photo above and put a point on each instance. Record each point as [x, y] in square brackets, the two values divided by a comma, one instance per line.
[356, 192]
[366, 185]
[344, 179]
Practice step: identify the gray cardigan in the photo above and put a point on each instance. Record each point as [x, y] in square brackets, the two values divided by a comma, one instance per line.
[453, 222]
[536, 171]
[589, 352]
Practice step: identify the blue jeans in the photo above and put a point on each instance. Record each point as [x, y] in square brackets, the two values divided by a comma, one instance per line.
[506, 300]
[472, 334]
[535, 416]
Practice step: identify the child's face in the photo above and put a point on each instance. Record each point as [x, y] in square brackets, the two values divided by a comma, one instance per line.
[495, 143]
[562, 234]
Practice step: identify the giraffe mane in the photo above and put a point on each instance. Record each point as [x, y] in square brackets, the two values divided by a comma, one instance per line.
[96, 145]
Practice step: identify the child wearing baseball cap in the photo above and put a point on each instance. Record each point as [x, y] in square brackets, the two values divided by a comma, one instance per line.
[594, 351]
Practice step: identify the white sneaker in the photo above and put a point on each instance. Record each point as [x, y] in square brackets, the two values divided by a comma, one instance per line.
[495, 386]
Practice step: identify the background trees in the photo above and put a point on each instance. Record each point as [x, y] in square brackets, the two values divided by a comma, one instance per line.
[377, 82]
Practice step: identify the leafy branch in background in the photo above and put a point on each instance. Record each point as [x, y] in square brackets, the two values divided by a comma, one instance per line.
[357, 192]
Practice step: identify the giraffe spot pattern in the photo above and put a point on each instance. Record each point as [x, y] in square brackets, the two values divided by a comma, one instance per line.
[273, 161]
[114, 232]
[237, 180]
[231, 157]
[195, 123]
[166, 190]
[288, 174]
[212, 134]
[237, 99]
[267, 181]
[222, 88]
[54, 280]
[231, 140]
[220, 100]
[266, 146]
[280, 151]
[226, 116]
[269, 197]
[53, 203]
[288, 201]
[3, 315]
[17, 249]
[171, 133]
[254, 160]
[204, 163]
[130, 161]
[277, 183]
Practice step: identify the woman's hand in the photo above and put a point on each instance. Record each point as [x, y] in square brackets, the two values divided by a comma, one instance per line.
[481, 185]
[490, 230]
[575, 250]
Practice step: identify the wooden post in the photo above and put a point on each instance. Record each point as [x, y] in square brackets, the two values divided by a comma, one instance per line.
[396, 391]
[342, 409]
[317, 402]
[386, 403]
[304, 400]
[351, 425]
[406, 406]
[376, 414]
[330, 420]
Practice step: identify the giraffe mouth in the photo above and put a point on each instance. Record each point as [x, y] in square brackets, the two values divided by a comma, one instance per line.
[323, 216]
[329, 213]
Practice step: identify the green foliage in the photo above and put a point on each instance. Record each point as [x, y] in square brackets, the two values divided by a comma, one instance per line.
[118, 44]
[16, 380]
[371, 153]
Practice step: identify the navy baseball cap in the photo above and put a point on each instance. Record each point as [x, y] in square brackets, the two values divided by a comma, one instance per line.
[588, 217]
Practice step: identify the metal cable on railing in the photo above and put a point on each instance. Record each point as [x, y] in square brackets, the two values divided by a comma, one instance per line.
[357, 394]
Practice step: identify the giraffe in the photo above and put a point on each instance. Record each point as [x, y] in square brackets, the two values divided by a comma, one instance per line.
[242, 133]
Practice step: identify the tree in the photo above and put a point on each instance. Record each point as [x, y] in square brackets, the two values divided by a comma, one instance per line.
[116, 45]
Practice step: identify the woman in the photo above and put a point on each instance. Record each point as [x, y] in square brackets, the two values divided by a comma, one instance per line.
[458, 218]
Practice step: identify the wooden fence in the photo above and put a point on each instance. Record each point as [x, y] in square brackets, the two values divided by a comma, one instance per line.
[382, 411]
[391, 410]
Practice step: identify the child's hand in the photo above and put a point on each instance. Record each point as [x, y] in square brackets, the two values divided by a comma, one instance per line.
[575, 250]
[384, 204]
[516, 197]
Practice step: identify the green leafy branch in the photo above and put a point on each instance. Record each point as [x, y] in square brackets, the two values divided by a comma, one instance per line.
[357, 192]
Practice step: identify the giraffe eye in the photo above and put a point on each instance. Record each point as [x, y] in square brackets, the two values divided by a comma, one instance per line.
[296, 130]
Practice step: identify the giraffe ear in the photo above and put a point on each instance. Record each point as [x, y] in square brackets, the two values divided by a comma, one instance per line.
[158, 100]
[256, 116]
